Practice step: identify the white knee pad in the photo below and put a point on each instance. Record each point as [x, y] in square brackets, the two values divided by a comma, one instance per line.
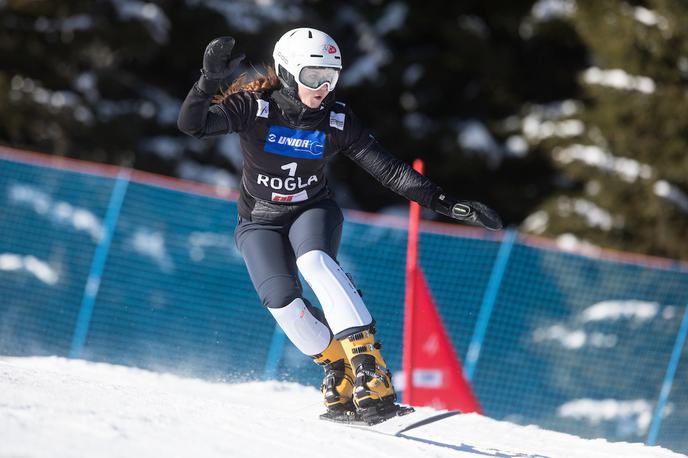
[339, 298]
[305, 331]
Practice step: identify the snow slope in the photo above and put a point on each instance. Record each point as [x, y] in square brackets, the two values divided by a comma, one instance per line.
[54, 407]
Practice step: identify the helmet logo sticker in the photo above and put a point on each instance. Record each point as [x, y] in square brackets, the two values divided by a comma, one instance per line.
[329, 49]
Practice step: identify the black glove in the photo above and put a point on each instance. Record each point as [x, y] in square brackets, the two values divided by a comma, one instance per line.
[466, 210]
[216, 59]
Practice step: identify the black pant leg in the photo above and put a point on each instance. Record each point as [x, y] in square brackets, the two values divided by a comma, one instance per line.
[318, 228]
[270, 262]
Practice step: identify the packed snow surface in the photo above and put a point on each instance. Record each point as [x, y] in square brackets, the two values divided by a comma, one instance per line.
[54, 407]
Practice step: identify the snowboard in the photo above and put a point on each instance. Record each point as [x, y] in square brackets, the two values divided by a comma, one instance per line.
[406, 419]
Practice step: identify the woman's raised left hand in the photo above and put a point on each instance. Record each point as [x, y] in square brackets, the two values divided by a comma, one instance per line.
[217, 64]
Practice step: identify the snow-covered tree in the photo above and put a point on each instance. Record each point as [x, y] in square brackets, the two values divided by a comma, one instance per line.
[620, 150]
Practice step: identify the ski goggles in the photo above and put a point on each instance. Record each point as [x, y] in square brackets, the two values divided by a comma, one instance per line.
[315, 77]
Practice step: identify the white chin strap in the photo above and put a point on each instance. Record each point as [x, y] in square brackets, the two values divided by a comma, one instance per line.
[305, 331]
[341, 303]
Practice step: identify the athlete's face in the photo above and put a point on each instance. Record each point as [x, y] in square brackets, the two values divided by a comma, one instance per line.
[312, 98]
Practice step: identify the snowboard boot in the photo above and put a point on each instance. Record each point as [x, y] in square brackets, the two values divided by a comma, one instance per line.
[373, 394]
[337, 385]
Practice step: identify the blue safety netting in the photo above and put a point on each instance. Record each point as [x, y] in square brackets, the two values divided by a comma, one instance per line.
[575, 343]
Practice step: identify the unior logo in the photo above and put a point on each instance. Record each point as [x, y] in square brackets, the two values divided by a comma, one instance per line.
[329, 49]
[304, 144]
[298, 144]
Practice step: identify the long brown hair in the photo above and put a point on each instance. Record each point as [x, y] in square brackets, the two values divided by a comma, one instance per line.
[263, 82]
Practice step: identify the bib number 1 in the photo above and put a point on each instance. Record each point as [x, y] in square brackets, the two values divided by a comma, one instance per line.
[291, 167]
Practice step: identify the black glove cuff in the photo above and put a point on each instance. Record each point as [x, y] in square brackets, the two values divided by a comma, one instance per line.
[208, 86]
[441, 203]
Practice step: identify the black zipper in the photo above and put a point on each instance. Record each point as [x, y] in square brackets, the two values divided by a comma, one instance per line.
[298, 120]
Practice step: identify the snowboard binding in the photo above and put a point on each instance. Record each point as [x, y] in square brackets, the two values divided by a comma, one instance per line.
[381, 410]
[369, 416]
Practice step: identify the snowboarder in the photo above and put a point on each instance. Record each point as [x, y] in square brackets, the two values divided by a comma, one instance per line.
[290, 124]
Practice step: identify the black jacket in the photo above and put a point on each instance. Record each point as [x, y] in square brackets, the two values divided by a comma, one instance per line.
[286, 145]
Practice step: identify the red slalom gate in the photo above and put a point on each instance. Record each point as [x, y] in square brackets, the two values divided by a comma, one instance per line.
[432, 371]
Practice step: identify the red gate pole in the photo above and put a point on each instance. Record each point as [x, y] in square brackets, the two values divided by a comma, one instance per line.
[410, 300]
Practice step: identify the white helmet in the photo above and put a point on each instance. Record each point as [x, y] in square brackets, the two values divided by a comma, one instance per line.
[308, 57]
